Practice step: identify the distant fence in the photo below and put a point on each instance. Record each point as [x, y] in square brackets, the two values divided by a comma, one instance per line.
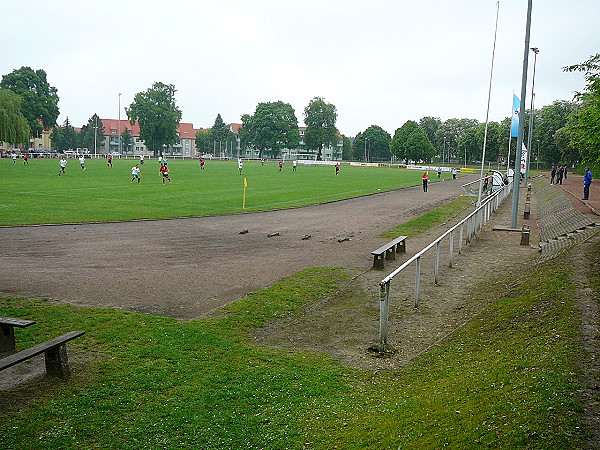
[466, 229]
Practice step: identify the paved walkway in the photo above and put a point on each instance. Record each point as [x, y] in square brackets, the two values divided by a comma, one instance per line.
[573, 186]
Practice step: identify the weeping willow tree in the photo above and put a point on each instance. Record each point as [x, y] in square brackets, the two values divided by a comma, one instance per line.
[13, 124]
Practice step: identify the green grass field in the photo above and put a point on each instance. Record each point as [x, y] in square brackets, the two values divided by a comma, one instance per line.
[35, 194]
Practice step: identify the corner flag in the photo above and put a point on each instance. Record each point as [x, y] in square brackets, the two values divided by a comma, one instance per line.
[244, 200]
[514, 124]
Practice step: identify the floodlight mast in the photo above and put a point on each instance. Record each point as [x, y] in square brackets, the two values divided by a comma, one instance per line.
[518, 151]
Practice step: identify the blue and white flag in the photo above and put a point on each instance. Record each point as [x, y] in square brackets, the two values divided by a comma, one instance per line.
[514, 124]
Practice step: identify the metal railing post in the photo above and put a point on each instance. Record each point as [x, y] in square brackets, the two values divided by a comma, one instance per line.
[451, 248]
[436, 275]
[384, 302]
[417, 280]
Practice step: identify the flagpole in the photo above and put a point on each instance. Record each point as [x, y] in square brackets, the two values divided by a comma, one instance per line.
[510, 136]
[517, 181]
[487, 115]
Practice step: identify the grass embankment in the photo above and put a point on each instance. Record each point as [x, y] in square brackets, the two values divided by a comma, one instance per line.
[34, 193]
[430, 219]
[504, 380]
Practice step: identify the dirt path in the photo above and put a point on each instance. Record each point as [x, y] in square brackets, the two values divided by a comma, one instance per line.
[186, 268]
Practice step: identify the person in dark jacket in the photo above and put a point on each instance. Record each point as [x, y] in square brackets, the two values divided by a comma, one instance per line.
[587, 180]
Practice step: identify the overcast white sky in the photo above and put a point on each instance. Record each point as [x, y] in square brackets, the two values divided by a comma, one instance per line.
[380, 62]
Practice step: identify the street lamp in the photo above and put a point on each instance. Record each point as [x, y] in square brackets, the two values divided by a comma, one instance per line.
[366, 139]
[535, 51]
[537, 161]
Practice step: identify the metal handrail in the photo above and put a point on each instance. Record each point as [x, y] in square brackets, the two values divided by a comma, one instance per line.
[473, 223]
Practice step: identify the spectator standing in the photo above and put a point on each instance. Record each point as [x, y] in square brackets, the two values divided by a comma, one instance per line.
[587, 181]
[559, 175]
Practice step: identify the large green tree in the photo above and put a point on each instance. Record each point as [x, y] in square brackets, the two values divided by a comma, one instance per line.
[584, 125]
[450, 131]
[203, 141]
[92, 134]
[430, 125]
[221, 131]
[373, 144]
[13, 124]
[221, 134]
[320, 118]
[346, 148]
[158, 116]
[65, 137]
[127, 140]
[547, 121]
[273, 127]
[411, 143]
[40, 100]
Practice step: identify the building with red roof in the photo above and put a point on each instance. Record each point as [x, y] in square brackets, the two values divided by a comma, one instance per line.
[114, 128]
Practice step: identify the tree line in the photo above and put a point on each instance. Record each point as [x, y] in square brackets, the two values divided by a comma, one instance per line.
[563, 132]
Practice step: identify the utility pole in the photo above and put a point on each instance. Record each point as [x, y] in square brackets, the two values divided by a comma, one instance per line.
[517, 181]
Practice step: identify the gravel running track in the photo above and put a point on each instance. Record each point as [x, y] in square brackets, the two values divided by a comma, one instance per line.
[186, 268]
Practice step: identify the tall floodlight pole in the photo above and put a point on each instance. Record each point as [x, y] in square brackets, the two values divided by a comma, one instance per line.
[487, 115]
[535, 50]
[516, 184]
[119, 124]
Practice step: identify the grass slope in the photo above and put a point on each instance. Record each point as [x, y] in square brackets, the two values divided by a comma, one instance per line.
[504, 380]
[35, 193]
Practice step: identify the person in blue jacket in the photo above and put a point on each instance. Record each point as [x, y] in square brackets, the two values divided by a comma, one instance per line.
[587, 180]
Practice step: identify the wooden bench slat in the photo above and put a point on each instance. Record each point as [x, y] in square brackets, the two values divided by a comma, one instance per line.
[388, 251]
[21, 323]
[389, 245]
[23, 355]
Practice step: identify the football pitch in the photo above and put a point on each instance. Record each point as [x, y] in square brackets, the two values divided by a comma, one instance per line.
[36, 194]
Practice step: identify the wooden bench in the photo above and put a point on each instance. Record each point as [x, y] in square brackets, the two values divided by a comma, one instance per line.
[388, 251]
[7, 330]
[55, 354]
